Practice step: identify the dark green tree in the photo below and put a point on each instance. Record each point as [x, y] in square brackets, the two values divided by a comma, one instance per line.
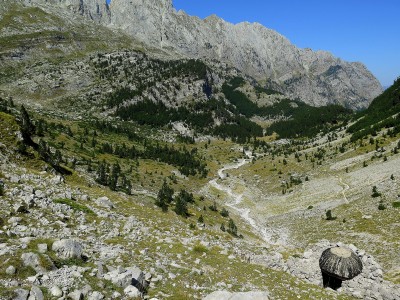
[27, 128]
[375, 192]
[232, 229]
[102, 173]
[224, 213]
[329, 216]
[1, 188]
[181, 207]
[164, 196]
[115, 173]
[201, 219]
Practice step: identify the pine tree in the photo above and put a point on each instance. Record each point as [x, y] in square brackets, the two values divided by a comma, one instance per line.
[166, 193]
[201, 219]
[27, 127]
[102, 173]
[232, 229]
[57, 158]
[224, 212]
[44, 151]
[115, 173]
[1, 188]
[181, 207]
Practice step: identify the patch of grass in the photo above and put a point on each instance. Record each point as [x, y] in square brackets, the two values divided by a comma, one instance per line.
[6, 293]
[75, 206]
[33, 245]
[199, 248]
[69, 262]
[396, 204]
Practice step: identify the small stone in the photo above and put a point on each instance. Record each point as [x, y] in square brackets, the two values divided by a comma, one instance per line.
[132, 292]
[76, 295]
[21, 294]
[96, 296]
[67, 249]
[42, 248]
[10, 270]
[36, 294]
[55, 291]
[20, 208]
[32, 260]
[105, 202]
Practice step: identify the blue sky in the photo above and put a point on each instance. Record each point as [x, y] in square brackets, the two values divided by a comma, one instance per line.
[355, 30]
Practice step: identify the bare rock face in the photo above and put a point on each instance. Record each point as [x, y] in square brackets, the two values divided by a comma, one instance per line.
[317, 78]
[96, 10]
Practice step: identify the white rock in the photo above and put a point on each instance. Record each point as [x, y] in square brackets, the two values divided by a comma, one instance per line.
[96, 296]
[132, 292]
[21, 294]
[42, 248]
[105, 202]
[55, 291]
[67, 248]
[75, 295]
[36, 294]
[10, 270]
[32, 260]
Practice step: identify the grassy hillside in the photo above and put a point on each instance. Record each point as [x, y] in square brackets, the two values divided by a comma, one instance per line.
[382, 113]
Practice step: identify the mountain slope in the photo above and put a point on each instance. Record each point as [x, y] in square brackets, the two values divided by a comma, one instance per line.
[382, 113]
[317, 78]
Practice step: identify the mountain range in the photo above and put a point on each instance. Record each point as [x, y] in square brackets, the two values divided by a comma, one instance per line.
[315, 77]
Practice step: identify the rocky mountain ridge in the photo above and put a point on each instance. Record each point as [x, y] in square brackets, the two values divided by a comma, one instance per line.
[316, 77]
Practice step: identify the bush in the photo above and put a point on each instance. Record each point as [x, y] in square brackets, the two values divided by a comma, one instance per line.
[213, 207]
[223, 227]
[381, 206]
[1, 188]
[396, 204]
[375, 192]
[199, 248]
[201, 219]
[181, 207]
[224, 213]
[329, 216]
[232, 229]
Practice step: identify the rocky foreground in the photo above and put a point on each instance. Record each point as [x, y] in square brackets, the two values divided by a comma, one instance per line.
[59, 242]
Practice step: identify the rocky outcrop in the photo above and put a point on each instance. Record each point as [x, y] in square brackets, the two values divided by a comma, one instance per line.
[66, 249]
[317, 77]
[96, 10]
